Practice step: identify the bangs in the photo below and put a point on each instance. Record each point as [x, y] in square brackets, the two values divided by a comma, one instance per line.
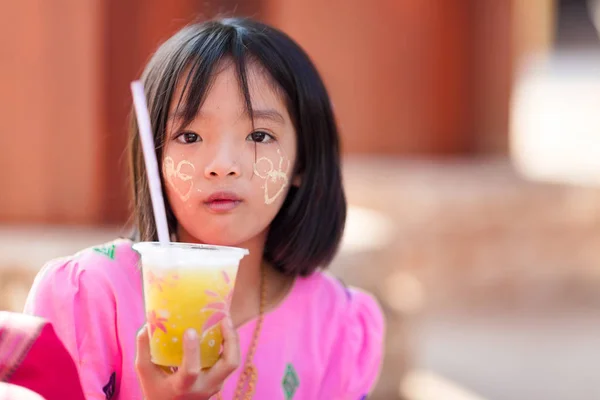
[205, 60]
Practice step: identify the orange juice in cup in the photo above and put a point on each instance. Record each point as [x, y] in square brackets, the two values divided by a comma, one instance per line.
[186, 286]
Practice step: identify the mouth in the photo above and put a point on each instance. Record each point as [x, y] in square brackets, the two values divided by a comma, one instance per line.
[222, 201]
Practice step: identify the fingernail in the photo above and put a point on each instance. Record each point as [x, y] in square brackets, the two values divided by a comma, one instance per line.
[191, 334]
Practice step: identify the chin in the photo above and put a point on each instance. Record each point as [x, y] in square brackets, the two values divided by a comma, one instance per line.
[232, 239]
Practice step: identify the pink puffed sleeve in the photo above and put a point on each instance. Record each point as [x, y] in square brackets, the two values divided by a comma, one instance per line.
[76, 297]
[356, 357]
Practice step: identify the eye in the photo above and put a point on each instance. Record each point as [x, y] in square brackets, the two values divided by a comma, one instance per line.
[188, 137]
[260, 137]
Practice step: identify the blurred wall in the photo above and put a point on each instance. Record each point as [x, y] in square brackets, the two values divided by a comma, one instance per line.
[533, 28]
[51, 78]
[427, 78]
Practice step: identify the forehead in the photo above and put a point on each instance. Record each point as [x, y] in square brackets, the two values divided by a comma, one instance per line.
[225, 95]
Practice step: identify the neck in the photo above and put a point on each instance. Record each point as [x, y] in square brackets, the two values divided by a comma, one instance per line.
[246, 296]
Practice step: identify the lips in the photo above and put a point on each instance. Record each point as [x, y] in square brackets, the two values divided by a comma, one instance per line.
[222, 201]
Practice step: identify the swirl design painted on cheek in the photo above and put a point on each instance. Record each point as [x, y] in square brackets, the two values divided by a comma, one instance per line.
[181, 183]
[273, 175]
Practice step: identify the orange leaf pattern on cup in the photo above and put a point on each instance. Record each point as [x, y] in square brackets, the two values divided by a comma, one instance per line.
[155, 322]
[218, 307]
[158, 282]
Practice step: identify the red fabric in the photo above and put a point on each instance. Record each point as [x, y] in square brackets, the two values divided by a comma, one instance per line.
[32, 356]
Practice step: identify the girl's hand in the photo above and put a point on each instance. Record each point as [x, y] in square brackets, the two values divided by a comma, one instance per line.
[190, 382]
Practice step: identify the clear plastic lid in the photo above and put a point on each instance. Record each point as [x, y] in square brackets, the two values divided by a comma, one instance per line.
[177, 254]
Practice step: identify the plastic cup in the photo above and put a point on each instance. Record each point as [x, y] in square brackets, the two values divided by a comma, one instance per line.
[186, 286]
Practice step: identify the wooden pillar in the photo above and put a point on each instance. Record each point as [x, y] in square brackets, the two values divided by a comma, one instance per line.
[407, 77]
[395, 71]
[491, 74]
[49, 111]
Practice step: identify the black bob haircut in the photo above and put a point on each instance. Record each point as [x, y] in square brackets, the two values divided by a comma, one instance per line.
[307, 230]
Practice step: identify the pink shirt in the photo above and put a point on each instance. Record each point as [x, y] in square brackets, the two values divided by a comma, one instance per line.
[324, 341]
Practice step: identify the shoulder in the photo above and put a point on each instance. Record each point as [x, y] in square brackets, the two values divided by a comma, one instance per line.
[92, 269]
[344, 303]
[104, 259]
[352, 338]
[351, 314]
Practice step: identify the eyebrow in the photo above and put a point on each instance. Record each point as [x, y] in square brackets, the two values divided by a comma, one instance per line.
[267, 114]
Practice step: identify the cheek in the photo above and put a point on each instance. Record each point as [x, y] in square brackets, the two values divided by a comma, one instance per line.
[273, 173]
[179, 177]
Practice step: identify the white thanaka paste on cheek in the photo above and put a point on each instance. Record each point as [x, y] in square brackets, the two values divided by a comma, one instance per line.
[174, 173]
[273, 175]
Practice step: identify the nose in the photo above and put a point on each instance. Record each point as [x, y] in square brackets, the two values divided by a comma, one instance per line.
[223, 164]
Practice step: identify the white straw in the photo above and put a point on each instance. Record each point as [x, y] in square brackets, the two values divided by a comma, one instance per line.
[144, 127]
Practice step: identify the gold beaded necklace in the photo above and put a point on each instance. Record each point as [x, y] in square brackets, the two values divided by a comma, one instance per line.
[247, 382]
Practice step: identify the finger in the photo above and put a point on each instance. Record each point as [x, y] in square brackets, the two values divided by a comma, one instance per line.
[143, 361]
[231, 345]
[230, 359]
[190, 365]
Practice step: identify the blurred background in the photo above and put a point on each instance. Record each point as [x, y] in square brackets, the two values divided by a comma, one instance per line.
[471, 138]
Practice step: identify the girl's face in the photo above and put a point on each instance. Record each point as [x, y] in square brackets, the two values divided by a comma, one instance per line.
[225, 177]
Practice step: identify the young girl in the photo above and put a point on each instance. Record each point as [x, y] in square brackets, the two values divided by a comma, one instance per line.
[250, 158]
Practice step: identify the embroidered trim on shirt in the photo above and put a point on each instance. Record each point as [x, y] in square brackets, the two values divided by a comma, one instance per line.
[109, 388]
[107, 250]
[290, 382]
